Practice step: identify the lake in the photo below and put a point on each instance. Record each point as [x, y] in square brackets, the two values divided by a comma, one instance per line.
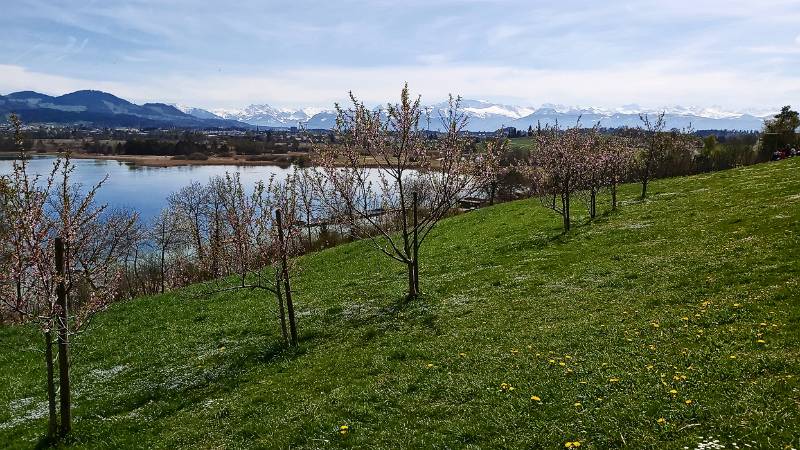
[144, 189]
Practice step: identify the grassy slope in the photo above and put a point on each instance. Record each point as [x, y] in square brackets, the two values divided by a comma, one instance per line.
[504, 288]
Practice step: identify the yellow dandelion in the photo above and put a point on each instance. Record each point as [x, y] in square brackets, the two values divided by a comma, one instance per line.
[649, 367]
[462, 354]
[562, 364]
[569, 371]
[430, 366]
[535, 398]
[505, 387]
[514, 351]
[344, 430]
[688, 402]
[661, 421]
[736, 305]
[673, 392]
[685, 319]
[577, 404]
[732, 357]
[552, 361]
[761, 341]
[613, 380]
[567, 357]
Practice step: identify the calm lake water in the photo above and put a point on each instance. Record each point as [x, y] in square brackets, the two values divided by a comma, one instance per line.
[144, 189]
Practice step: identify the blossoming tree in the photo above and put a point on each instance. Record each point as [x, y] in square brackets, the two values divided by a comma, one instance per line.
[385, 174]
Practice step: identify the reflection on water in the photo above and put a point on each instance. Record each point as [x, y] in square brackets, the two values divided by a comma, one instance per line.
[142, 188]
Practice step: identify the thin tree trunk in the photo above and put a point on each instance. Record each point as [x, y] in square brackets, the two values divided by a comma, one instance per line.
[644, 188]
[286, 284]
[52, 422]
[415, 244]
[614, 196]
[163, 271]
[565, 206]
[492, 192]
[281, 309]
[63, 343]
[593, 204]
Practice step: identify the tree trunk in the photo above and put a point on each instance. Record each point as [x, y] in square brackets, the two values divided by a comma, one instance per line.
[281, 309]
[492, 192]
[644, 188]
[63, 343]
[415, 254]
[614, 196]
[412, 287]
[593, 204]
[163, 271]
[565, 207]
[286, 284]
[52, 422]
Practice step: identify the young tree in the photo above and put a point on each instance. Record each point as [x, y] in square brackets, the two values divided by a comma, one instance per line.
[496, 149]
[259, 235]
[190, 205]
[556, 167]
[63, 263]
[386, 174]
[617, 163]
[657, 146]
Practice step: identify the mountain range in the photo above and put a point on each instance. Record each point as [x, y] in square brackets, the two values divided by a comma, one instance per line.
[96, 108]
[487, 116]
[102, 109]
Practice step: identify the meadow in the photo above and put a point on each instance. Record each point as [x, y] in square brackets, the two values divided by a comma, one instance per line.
[670, 323]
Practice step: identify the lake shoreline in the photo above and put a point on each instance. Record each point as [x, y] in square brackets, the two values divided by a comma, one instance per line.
[169, 161]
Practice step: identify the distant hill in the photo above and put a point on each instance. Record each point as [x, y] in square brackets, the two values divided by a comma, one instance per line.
[96, 108]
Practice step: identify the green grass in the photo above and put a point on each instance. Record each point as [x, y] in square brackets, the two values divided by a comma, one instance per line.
[661, 295]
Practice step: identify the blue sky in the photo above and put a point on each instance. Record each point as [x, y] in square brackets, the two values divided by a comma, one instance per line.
[735, 54]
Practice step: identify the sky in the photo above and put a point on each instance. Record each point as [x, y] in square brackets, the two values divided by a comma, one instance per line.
[735, 54]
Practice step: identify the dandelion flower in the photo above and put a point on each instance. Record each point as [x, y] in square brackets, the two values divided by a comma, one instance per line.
[673, 392]
[462, 354]
[661, 421]
[535, 398]
[732, 357]
[505, 387]
[688, 402]
[344, 430]
[514, 351]
[613, 380]
[761, 341]
[562, 364]
[430, 366]
[577, 404]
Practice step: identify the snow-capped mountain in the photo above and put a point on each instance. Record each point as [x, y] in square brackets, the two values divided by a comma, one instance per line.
[488, 116]
[197, 112]
[268, 116]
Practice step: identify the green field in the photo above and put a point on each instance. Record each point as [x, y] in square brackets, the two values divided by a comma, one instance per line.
[695, 290]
